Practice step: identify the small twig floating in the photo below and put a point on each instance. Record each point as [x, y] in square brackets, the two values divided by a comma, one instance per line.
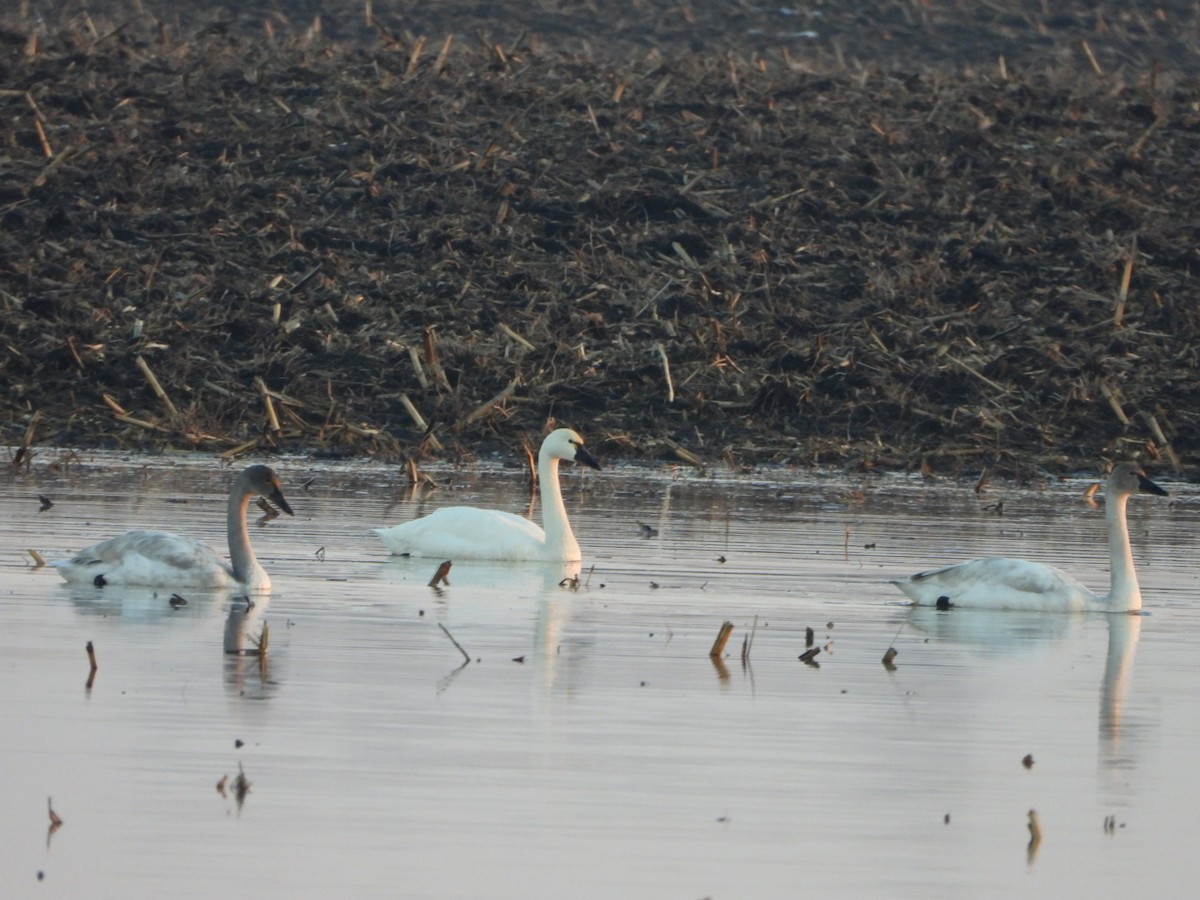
[888, 657]
[241, 786]
[1035, 834]
[91, 652]
[748, 642]
[446, 631]
[723, 634]
[441, 575]
[39, 561]
[55, 821]
[808, 657]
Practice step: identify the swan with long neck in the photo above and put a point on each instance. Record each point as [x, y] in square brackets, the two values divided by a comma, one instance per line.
[164, 559]
[468, 532]
[1003, 583]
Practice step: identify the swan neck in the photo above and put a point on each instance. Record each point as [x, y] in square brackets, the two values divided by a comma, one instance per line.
[560, 540]
[1124, 594]
[241, 555]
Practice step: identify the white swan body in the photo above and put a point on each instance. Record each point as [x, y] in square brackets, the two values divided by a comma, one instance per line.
[164, 559]
[1003, 583]
[468, 532]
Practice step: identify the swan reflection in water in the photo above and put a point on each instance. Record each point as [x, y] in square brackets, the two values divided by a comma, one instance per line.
[487, 594]
[1007, 632]
[144, 605]
[246, 642]
[1123, 632]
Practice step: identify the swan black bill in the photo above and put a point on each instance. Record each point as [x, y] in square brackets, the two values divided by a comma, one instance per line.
[1146, 486]
[582, 456]
[276, 497]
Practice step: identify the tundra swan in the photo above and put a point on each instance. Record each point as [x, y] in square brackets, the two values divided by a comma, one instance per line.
[1003, 583]
[468, 532]
[163, 559]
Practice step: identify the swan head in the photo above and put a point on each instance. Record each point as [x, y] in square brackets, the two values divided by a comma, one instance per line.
[263, 481]
[1130, 478]
[565, 443]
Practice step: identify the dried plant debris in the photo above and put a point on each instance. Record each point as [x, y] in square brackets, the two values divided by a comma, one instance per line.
[269, 511]
[442, 575]
[1035, 835]
[721, 640]
[241, 786]
[960, 248]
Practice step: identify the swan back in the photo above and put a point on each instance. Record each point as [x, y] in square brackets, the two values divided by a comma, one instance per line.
[1004, 583]
[468, 532]
[998, 583]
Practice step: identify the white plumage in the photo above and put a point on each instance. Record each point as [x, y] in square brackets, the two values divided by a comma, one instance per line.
[164, 559]
[1003, 583]
[468, 532]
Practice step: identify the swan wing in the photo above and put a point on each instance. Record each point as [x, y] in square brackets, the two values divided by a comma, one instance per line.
[999, 583]
[147, 558]
[466, 532]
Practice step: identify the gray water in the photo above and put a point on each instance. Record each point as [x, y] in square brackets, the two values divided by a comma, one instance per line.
[591, 748]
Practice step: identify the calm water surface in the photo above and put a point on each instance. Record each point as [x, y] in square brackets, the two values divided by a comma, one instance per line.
[591, 749]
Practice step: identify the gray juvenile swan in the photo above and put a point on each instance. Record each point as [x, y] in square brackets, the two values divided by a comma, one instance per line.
[1001, 583]
[468, 532]
[163, 559]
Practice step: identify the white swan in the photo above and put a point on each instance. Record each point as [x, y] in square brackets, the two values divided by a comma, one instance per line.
[467, 532]
[1001, 583]
[163, 559]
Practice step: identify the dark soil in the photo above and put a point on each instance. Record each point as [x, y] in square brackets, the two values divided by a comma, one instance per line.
[900, 234]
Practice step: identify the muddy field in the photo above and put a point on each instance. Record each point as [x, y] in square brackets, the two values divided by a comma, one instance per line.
[905, 234]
